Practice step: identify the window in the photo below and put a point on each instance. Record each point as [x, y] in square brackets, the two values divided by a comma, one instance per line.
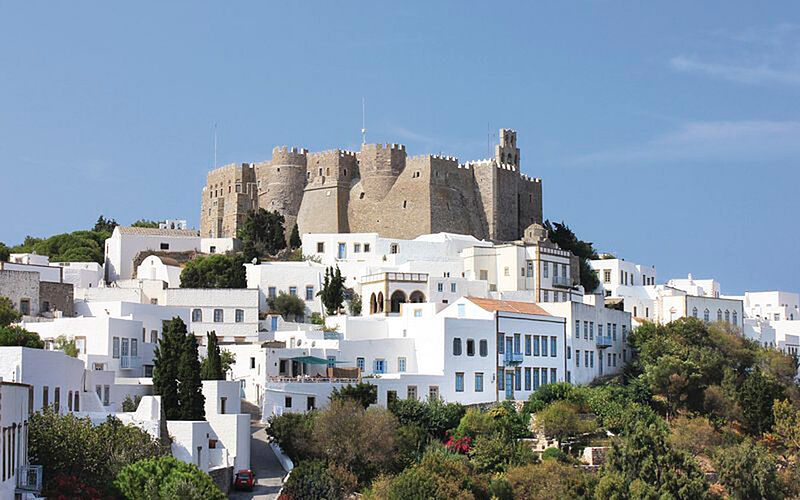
[694, 312]
[545, 296]
[600, 329]
[500, 343]
[433, 392]
[394, 248]
[528, 342]
[440, 287]
[287, 402]
[271, 292]
[506, 271]
[106, 395]
[459, 381]
[517, 379]
[115, 347]
[578, 358]
[366, 247]
[544, 346]
[705, 315]
[624, 333]
[517, 343]
[360, 363]
[239, 315]
[586, 359]
[342, 251]
[624, 355]
[77, 403]
[545, 270]
[165, 246]
[379, 366]
[535, 378]
[728, 316]
[609, 360]
[553, 375]
[252, 363]
[484, 275]
[591, 330]
[293, 291]
[411, 391]
[591, 359]
[135, 348]
[528, 269]
[501, 384]
[585, 330]
[719, 314]
[527, 378]
[218, 315]
[606, 275]
[478, 382]
[462, 310]
[320, 247]
[356, 247]
[45, 397]
[535, 345]
[309, 292]
[452, 288]
[401, 365]
[553, 343]
[470, 347]
[456, 347]
[153, 336]
[733, 317]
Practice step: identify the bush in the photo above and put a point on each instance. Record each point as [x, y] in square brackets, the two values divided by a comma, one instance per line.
[63, 487]
[289, 306]
[556, 454]
[551, 480]
[129, 404]
[8, 314]
[436, 417]
[362, 393]
[166, 478]
[748, 471]
[293, 433]
[494, 453]
[314, 479]
[20, 337]
[214, 271]
[439, 476]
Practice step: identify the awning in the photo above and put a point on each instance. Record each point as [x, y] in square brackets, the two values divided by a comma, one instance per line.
[313, 360]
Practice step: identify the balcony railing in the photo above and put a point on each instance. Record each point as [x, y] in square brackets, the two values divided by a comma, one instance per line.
[512, 358]
[562, 281]
[29, 478]
[312, 380]
[130, 362]
[413, 277]
[603, 341]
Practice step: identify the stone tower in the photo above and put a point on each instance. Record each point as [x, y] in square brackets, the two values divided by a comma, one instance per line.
[229, 194]
[281, 182]
[507, 151]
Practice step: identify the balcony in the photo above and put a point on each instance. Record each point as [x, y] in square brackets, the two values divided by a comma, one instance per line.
[29, 479]
[130, 362]
[602, 341]
[562, 281]
[512, 358]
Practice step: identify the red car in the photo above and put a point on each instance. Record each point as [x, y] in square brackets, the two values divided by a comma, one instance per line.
[244, 480]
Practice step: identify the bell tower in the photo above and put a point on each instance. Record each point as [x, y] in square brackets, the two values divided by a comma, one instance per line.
[507, 152]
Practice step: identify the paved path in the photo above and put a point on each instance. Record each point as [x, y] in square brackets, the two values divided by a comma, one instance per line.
[268, 471]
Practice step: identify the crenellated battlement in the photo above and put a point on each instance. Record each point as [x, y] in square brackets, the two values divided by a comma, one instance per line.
[333, 156]
[283, 155]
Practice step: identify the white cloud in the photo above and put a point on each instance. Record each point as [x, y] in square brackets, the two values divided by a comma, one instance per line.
[718, 141]
[742, 74]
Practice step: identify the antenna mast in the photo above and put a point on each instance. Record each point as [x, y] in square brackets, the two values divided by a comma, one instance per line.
[363, 120]
[215, 145]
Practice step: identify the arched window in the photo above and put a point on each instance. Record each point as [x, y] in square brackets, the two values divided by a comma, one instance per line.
[197, 315]
[727, 316]
[380, 302]
[373, 304]
[705, 315]
[694, 312]
[398, 297]
[417, 297]
[719, 314]
[456, 346]
[734, 318]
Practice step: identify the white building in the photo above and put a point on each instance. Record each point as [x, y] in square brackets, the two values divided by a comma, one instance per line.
[230, 312]
[160, 268]
[615, 273]
[125, 244]
[301, 279]
[81, 274]
[698, 288]
[14, 415]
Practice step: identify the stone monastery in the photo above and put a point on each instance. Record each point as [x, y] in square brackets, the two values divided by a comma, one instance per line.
[378, 189]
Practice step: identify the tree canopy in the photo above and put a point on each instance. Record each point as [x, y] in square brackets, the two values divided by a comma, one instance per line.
[8, 313]
[17, 336]
[564, 237]
[176, 373]
[215, 271]
[289, 306]
[263, 233]
[211, 368]
[332, 293]
[166, 478]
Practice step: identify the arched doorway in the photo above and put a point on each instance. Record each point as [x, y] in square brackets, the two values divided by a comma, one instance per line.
[398, 297]
[373, 304]
[417, 297]
[380, 302]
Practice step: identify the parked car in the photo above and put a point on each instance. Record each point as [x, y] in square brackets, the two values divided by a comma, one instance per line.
[244, 480]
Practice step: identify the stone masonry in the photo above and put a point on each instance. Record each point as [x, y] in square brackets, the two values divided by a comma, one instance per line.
[378, 189]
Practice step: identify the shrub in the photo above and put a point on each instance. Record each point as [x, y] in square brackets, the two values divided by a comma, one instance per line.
[437, 417]
[495, 453]
[314, 479]
[166, 478]
[556, 454]
[362, 393]
[17, 336]
[748, 471]
[550, 480]
[293, 433]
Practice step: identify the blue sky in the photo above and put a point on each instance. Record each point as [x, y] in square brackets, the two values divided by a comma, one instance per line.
[668, 133]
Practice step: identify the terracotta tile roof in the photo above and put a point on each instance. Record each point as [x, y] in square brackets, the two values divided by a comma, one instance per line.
[508, 306]
[149, 231]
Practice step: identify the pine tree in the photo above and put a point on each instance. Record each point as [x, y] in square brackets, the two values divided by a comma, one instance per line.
[294, 239]
[190, 395]
[165, 366]
[212, 365]
[332, 293]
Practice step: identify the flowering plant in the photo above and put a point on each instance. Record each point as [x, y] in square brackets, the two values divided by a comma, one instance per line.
[460, 445]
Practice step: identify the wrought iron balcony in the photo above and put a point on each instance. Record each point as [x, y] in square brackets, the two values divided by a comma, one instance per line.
[562, 281]
[603, 341]
[130, 362]
[512, 358]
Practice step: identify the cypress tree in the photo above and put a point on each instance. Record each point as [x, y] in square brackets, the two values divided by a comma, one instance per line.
[165, 366]
[190, 395]
[212, 365]
[294, 239]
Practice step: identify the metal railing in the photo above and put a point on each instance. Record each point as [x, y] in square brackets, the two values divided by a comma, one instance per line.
[562, 281]
[415, 277]
[130, 362]
[512, 358]
[312, 380]
[29, 478]
[603, 341]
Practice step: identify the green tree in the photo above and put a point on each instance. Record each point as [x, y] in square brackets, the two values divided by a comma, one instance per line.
[355, 305]
[562, 235]
[190, 394]
[550, 480]
[362, 393]
[227, 360]
[294, 239]
[215, 271]
[105, 225]
[166, 478]
[293, 433]
[562, 421]
[151, 224]
[756, 397]
[165, 366]
[289, 306]
[785, 435]
[211, 368]
[435, 416]
[62, 343]
[8, 314]
[5, 253]
[643, 465]
[332, 292]
[316, 479]
[263, 233]
[494, 453]
[78, 246]
[17, 336]
[130, 404]
[747, 470]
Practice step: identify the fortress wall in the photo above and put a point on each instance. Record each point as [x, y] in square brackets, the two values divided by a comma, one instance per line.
[229, 194]
[530, 201]
[379, 167]
[507, 218]
[327, 192]
[281, 182]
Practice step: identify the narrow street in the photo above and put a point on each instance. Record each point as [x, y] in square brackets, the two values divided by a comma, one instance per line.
[263, 462]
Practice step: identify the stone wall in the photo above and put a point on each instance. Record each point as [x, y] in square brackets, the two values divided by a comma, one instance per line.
[378, 189]
[57, 297]
[20, 285]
